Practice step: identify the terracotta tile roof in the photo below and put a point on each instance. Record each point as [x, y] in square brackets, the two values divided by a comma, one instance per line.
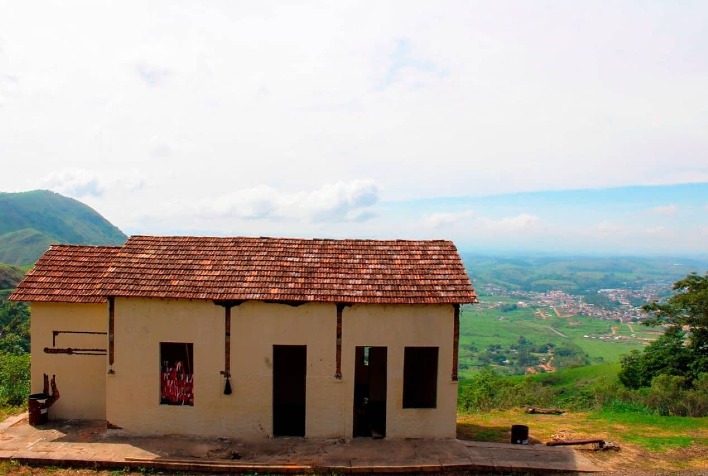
[67, 273]
[283, 269]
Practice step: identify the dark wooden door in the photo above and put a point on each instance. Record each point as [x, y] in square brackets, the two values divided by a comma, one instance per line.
[289, 389]
[370, 382]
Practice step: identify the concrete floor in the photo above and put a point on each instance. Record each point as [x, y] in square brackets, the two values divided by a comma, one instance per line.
[89, 444]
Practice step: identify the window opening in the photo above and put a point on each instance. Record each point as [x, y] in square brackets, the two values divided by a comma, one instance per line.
[176, 373]
[420, 377]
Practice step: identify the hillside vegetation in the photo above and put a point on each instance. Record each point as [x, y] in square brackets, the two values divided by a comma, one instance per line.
[516, 340]
[576, 275]
[31, 221]
[644, 423]
[10, 276]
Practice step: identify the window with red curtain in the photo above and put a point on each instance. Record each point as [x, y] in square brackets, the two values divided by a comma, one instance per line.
[176, 373]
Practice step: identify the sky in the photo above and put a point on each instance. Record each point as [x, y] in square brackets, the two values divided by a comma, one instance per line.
[552, 126]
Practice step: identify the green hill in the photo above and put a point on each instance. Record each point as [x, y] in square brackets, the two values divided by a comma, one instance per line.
[31, 221]
[10, 276]
[576, 274]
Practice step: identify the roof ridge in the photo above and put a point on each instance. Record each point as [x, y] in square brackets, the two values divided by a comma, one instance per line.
[290, 238]
[74, 245]
[253, 268]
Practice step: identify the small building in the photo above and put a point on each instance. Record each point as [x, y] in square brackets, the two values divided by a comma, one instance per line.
[252, 337]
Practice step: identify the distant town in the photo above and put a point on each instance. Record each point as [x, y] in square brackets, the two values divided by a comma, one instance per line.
[624, 304]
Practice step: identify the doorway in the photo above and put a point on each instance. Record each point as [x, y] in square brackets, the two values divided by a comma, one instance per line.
[370, 379]
[289, 389]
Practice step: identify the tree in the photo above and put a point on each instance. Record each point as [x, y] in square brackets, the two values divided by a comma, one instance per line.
[14, 379]
[683, 349]
[14, 327]
[665, 356]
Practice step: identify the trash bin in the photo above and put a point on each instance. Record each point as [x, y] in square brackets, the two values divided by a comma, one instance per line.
[38, 409]
[519, 434]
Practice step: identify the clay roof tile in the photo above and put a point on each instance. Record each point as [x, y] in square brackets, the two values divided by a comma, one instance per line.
[241, 268]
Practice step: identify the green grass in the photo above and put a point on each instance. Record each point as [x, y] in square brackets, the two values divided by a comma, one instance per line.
[648, 419]
[577, 377]
[8, 411]
[666, 443]
[481, 328]
[653, 432]
[648, 442]
[8, 466]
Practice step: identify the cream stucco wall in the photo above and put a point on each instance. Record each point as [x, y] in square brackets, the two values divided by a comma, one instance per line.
[81, 379]
[397, 327]
[141, 324]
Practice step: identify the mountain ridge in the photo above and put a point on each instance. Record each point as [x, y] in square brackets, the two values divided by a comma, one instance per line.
[31, 221]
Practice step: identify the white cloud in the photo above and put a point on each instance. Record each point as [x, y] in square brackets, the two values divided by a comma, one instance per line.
[256, 202]
[659, 232]
[403, 65]
[150, 74]
[208, 100]
[666, 210]
[337, 202]
[517, 223]
[445, 219]
[606, 229]
[9, 88]
[81, 183]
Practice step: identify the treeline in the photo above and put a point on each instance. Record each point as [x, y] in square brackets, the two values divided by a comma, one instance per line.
[667, 395]
[517, 358]
[575, 275]
[669, 377]
[14, 353]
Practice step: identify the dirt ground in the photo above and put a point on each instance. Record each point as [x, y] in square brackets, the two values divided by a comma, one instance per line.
[630, 458]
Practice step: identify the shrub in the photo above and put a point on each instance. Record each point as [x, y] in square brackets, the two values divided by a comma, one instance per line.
[14, 379]
[673, 395]
[485, 391]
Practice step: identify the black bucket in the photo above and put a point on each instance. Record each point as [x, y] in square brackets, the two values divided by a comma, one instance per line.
[519, 434]
[38, 408]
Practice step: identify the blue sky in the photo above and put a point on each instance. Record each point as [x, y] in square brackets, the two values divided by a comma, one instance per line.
[319, 118]
[667, 220]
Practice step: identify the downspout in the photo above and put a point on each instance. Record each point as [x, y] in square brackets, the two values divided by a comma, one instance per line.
[455, 342]
[227, 349]
[111, 333]
[227, 305]
[338, 355]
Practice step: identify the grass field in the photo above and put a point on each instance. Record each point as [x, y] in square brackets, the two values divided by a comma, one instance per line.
[648, 443]
[606, 341]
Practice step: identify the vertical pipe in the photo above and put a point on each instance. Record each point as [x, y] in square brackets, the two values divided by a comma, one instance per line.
[227, 348]
[111, 333]
[227, 341]
[338, 372]
[455, 342]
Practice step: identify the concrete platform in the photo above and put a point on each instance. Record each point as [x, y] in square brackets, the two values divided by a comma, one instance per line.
[88, 444]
